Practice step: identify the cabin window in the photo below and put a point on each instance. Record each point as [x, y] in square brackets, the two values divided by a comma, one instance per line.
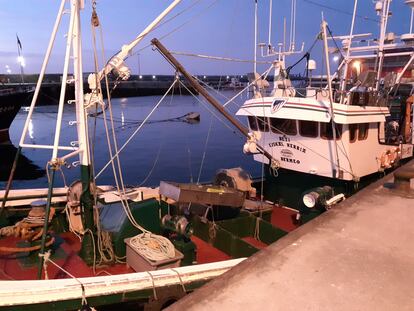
[283, 126]
[253, 123]
[352, 132]
[363, 131]
[326, 130]
[308, 128]
[263, 124]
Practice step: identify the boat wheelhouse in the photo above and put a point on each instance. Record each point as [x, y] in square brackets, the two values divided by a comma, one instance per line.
[361, 128]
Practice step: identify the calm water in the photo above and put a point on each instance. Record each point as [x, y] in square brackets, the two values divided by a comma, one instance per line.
[160, 151]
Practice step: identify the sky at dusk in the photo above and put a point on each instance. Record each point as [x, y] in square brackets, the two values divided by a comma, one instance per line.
[211, 27]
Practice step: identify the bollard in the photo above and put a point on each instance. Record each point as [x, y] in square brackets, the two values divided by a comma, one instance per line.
[402, 180]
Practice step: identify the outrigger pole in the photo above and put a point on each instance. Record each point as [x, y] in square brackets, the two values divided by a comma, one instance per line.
[161, 48]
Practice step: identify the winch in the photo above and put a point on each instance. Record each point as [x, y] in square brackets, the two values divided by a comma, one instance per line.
[236, 178]
[177, 224]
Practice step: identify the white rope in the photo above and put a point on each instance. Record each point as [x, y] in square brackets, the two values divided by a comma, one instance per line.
[7, 231]
[153, 247]
[118, 176]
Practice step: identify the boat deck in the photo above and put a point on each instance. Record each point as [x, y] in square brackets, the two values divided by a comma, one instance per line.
[357, 256]
[66, 247]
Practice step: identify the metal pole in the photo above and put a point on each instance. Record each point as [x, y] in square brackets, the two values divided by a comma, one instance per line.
[126, 49]
[345, 69]
[328, 73]
[20, 62]
[255, 38]
[46, 224]
[270, 26]
[205, 94]
[42, 71]
[10, 180]
[87, 249]
[34, 99]
[64, 83]
[384, 20]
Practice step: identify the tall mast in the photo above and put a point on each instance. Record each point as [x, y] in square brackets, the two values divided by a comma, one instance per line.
[87, 250]
[269, 41]
[349, 44]
[328, 72]
[384, 20]
[255, 37]
[20, 58]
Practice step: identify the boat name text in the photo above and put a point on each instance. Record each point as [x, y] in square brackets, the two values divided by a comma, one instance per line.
[289, 145]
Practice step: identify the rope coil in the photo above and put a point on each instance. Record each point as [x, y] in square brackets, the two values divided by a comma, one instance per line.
[153, 247]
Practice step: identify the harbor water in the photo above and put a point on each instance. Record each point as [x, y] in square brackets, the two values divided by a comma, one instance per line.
[165, 148]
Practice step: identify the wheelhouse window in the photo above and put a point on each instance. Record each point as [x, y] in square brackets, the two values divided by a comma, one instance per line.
[263, 124]
[363, 131]
[252, 123]
[258, 123]
[308, 128]
[327, 133]
[283, 126]
[353, 129]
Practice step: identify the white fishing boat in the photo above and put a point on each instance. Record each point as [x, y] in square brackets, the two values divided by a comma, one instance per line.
[331, 135]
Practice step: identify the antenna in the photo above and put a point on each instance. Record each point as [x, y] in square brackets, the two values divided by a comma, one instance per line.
[255, 37]
[282, 51]
[270, 27]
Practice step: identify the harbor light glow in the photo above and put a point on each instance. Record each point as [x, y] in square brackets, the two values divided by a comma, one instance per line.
[153, 77]
[357, 65]
[140, 77]
[336, 58]
[21, 61]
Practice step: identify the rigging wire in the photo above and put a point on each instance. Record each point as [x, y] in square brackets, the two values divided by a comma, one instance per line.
[229, 59]
[209, 109]
[137, 130]
[159, 151]
[178, 27]
[146, 243]
[205, 149]
[366, 18]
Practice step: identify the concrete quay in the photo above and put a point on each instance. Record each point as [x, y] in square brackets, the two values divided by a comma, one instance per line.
[357, 256]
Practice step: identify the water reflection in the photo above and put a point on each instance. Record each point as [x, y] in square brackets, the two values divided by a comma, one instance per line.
[31, 132]
[170, 146]
[26, 169]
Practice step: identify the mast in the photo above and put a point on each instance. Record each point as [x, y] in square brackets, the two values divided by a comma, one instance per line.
[20, 58]
[384, 20]
[87, 250]
[331, 101]
[255, 38]
[346, 63]
[269, 41]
